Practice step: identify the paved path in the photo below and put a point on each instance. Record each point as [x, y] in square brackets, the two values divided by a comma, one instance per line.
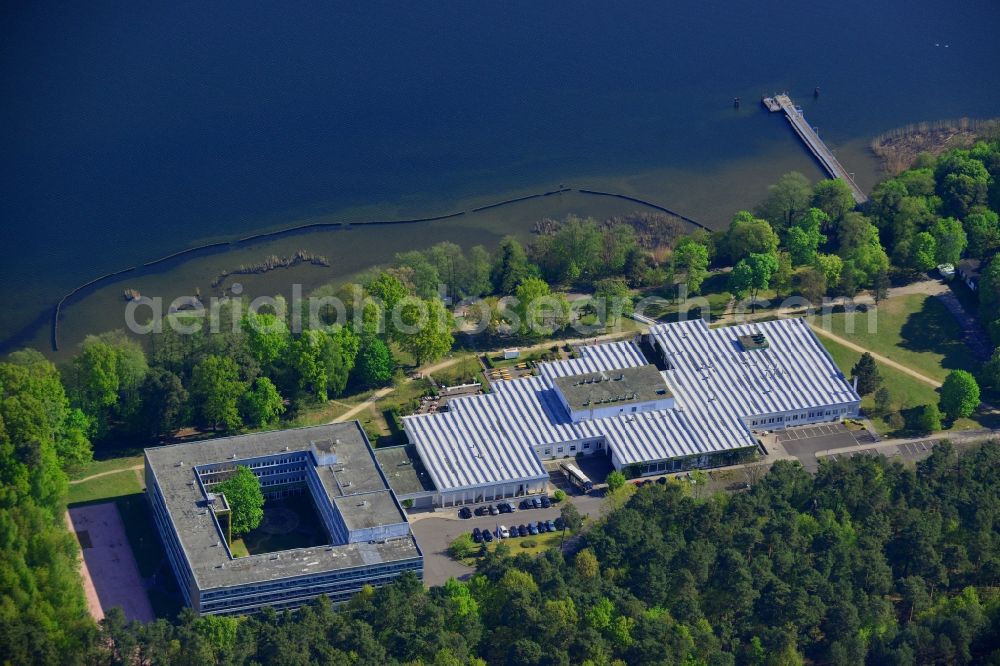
[878, 357]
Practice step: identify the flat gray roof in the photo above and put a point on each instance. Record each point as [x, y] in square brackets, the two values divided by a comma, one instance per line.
[402, 466]
[590, 390]
[355, 472]
[369, 510]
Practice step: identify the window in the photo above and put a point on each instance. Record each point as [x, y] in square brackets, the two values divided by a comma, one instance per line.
[548, 452]
[586, 445]
[559, 450]
[573, 447]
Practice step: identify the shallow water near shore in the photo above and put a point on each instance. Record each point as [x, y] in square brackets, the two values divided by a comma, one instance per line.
[130, 132]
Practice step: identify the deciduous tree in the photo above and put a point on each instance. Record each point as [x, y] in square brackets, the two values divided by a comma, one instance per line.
[245, 498]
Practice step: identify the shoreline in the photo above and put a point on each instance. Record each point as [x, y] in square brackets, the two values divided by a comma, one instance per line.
[222, 246]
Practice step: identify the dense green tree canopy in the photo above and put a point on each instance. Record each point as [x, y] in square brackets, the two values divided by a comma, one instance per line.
[959, 394]
[375, 364]
[263, 404]
[216, 389]
[691, 259]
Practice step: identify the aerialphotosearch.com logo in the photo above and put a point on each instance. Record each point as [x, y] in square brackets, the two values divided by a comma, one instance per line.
[500, 317]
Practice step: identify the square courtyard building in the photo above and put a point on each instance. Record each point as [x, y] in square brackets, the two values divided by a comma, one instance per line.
[364, 537]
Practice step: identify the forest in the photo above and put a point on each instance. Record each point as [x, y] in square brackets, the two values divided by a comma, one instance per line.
[865, 562]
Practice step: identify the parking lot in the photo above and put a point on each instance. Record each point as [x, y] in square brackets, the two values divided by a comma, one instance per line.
[910, 451]
[806, 441]
[435, 532]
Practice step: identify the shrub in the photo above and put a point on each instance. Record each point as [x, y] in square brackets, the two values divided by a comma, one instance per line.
[462, 547]
[559, 495]
[930, 419]
[528, 543]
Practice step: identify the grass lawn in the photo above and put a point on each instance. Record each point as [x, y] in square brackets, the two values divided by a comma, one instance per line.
[99, 466]
[532, 545]
[239, 548]
[915, 330]
[908, 392]
[107, 487]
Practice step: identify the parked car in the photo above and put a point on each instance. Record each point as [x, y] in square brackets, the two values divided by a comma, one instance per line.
[542, 528]
[546, 502]
[522, 531]
[477, 535]
[535, 502]
[525, 504]
[504, 532]
[487, 536]
[551, 525]
[506, 507]
[493, 510]
[532, 530]
[481, 511]
[560, 523]
[662, 480]
[465, 512]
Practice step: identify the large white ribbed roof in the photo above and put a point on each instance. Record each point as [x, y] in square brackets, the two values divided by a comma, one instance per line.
[488, 439]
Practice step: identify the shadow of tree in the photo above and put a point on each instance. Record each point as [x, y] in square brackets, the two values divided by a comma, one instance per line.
[933, 329]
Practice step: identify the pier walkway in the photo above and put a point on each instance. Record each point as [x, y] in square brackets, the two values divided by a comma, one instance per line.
[813, 142]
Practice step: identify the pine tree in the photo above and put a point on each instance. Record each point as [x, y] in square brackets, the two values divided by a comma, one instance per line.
[866, 372]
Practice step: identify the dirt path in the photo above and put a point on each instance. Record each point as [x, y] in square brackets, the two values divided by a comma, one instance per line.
[878, 357]
[107, 473]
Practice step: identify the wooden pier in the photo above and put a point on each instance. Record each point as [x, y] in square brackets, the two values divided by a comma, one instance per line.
[809, 136]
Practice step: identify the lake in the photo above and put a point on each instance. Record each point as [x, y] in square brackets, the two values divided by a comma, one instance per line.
[132, 131]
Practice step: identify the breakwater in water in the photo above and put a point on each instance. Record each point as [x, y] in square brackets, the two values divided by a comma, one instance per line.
[218, 246]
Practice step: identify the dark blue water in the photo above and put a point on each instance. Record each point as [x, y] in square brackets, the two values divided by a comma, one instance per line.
[129, 130]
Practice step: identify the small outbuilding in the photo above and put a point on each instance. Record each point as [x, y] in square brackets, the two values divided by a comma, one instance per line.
[968, 271]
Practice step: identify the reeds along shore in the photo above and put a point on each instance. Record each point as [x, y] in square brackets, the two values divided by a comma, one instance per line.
[274, 262]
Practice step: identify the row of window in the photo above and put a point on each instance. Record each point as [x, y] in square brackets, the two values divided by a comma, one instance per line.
[294, 598]
[279, 588]
[804, 416]
[572, 448]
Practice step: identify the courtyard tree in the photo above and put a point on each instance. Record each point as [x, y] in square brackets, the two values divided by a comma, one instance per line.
[245, 499]
[959, 394]
[867, 374]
